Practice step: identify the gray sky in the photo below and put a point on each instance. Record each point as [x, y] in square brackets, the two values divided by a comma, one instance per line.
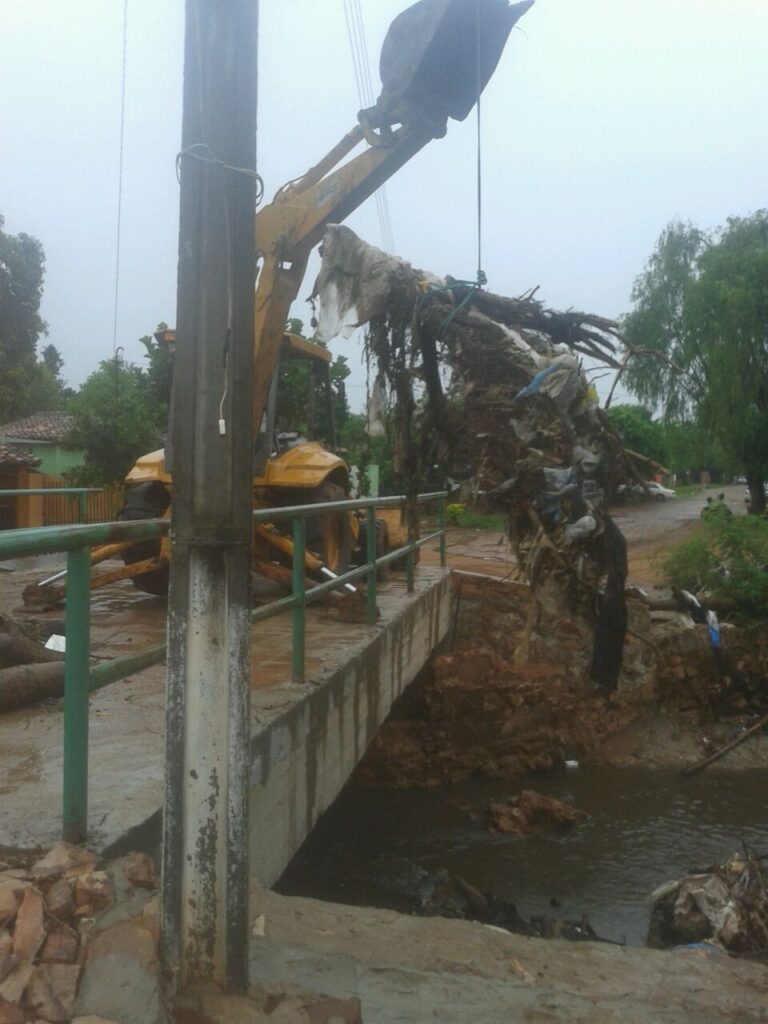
[604, 120]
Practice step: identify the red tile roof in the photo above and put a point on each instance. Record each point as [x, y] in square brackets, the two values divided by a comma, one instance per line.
[42, 426]
[13, 457]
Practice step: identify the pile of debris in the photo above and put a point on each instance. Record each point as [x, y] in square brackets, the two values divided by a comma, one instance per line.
[443, 894]
[726, 904]
[492, 389]
[45, 914]
[530, 811]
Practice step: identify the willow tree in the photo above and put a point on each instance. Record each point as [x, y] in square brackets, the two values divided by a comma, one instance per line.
[700, 334]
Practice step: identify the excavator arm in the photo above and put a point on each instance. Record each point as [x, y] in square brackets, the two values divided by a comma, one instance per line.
[289, 227]
[437, 57]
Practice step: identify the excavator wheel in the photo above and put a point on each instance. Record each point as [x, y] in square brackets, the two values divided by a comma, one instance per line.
[146, 501]
[329, 535]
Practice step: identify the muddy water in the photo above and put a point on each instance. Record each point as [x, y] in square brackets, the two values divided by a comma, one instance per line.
[644, 827]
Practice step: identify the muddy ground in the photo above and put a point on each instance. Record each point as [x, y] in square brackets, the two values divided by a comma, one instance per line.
[652, 528]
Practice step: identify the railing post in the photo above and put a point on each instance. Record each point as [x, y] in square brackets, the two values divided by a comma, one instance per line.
[441, 528]
[76, 687]
[370, 557]
[82, 507]
[409, 559]
[298, 631]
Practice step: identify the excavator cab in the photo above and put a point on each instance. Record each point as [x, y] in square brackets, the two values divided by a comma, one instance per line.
[437, 58]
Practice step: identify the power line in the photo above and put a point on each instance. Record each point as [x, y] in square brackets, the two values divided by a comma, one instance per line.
[120, 179]
[361, 64]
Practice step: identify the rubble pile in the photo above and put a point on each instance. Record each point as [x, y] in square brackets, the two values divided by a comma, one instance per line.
[727, 904]
[443, 894]
[507, 409]
[45, 913]
[530, 811]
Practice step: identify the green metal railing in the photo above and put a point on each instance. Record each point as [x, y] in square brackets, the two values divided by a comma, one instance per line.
[81, 679]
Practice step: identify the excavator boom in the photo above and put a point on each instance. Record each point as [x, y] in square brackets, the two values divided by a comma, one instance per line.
[436, 59]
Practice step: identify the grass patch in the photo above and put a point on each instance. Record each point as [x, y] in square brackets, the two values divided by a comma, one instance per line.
[460, 515]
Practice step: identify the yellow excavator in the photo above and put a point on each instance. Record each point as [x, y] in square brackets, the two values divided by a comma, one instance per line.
[436, 59]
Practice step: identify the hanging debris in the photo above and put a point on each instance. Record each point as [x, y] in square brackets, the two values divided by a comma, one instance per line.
[727, 904]
[493, 390]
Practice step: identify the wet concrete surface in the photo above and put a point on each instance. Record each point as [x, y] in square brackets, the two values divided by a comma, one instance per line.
[127, 718]
[409, 970]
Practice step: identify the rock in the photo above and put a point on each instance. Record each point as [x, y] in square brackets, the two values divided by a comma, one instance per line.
[329, 1010]
[63, 861]
[30, 930]
[7, 963]
[120, 981]
[10, 1014]
[93, 893]
[15, 985]
[60, 900]
[61, 946]
[93, 1020]
[531, 811]
[51, 992]
[139, 869]
[9, 903]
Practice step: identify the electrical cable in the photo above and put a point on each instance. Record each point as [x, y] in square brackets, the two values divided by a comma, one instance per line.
[120, 178]
[361, 66]
[481, 278]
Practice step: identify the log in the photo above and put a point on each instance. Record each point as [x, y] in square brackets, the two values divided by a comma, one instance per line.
[27, 684]
[17, 647]
[694, 768]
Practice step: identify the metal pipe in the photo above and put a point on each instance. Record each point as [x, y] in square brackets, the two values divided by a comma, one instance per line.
[76, 690]
[298, 631]
[370, 554]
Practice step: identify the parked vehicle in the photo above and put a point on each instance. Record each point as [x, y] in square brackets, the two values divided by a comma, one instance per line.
[655, 490]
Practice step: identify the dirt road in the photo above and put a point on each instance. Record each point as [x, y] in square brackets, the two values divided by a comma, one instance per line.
[651, 528]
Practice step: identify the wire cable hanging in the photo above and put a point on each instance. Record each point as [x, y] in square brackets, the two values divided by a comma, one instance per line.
[361, 65]
[120, 179]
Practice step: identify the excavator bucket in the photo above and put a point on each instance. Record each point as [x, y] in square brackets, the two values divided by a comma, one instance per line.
[437, 58]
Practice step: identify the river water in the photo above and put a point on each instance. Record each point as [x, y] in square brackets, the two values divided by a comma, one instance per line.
[645, 827]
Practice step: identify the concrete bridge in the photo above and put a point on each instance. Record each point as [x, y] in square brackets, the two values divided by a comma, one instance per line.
[305, 739]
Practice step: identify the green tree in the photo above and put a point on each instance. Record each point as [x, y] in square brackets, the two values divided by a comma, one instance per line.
[159, 370]
[639, 431]
[117, 418]
[700, 330]
[26, 385]
[303, 392]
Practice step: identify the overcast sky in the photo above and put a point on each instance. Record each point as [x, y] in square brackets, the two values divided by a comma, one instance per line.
[604, 120]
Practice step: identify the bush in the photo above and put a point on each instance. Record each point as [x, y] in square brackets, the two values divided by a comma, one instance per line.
[728, 560]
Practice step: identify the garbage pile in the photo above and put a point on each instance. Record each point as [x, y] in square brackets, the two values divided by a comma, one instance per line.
[443, 894]
[530, 811]
[726, 905]
[493, 390]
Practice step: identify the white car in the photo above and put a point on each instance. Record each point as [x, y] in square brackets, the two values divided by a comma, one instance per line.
[655, 490]
[660, 493]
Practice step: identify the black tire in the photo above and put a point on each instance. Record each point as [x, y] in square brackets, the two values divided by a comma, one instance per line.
[329, 536]
[382, 545]
[146, 501]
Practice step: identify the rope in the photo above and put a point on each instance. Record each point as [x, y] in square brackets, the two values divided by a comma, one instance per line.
[120, 178]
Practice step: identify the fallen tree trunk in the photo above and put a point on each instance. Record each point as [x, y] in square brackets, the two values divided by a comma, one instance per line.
[27, 684]
[17, 647]
[694, 768]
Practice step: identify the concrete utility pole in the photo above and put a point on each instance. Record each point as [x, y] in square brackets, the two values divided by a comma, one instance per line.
[204, 917]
